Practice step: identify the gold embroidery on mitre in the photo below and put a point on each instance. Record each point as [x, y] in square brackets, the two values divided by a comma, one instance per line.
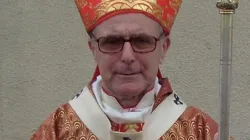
[175, 4]
[104, 7]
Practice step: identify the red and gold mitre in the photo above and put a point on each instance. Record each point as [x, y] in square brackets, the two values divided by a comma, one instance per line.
[93, 12]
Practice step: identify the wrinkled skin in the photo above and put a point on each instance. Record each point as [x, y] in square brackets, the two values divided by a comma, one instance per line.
[128, 75]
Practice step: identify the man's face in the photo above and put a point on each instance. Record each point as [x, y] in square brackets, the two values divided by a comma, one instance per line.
[128, 73]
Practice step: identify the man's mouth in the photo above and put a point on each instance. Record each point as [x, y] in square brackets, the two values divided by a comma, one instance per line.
[134, 73]
[128, 73]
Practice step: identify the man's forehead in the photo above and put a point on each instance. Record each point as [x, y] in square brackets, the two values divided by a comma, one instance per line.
[133, 22]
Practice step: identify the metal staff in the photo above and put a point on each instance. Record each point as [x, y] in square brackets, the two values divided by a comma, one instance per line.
[226, 10]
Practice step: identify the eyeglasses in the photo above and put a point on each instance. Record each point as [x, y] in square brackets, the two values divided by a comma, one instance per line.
[139, 43]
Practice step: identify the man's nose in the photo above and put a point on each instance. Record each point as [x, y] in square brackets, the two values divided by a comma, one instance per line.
[128, 54]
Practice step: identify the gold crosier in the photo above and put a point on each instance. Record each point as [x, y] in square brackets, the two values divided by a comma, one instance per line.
[226, 9]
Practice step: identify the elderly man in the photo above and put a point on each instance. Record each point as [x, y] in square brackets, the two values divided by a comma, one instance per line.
[127, 99]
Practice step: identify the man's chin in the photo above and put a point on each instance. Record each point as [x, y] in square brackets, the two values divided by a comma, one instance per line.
[133, 84]
[130, 88]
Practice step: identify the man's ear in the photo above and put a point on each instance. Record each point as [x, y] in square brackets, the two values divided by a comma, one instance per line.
[92, 48]
[90, 43]
[166, 44]
[165, 47]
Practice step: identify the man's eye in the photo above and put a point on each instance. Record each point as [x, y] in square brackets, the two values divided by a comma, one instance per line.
[114, 40]
[143, 40]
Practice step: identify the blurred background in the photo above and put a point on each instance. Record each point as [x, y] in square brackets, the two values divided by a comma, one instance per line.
[45, 61]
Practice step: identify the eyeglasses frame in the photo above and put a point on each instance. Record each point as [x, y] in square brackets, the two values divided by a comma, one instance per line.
[124, 41]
